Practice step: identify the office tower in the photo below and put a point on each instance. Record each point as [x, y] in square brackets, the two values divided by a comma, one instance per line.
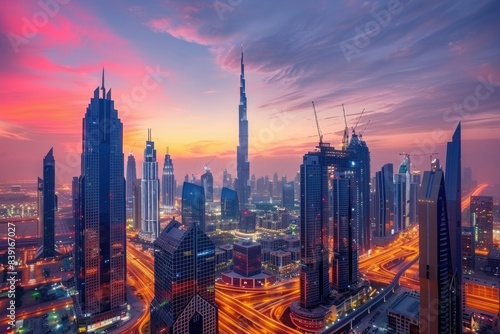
[345, 248]
[276, 188]
[248, 220]
[468, 249]
[288, 195]
[39, 208]
[402, 184]
[414, 189]
[242, 186]
[193, 205]
[247, 258]
[131, 176]
[75, 197]
[136, 201]
[184, 270]
[150, 192]
[168, 182]
[229, 204]
[359, 157]
[207, 181]
[481, 216]
[435, 256]
[453, 181]
[100, 250]
[384, 202]
[253, 188]
[48, 246]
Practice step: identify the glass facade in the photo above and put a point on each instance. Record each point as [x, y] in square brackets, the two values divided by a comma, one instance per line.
[229, 204]
[100, 250]
[49, 205]
[247, 258]
[150, 193]
[288, 195]
[384, 202]
[168, 182]
[207, 181]
[193, 205]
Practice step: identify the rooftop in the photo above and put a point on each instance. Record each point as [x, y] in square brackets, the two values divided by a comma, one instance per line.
[407, 305]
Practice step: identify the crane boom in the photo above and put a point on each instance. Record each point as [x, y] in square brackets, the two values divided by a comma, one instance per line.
[354, 128]
[345, 138]
[317, 124]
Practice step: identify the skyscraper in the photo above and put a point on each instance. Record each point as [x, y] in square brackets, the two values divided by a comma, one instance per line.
[453, 184]
[193, 205]
[168, 182]
[39, 208]
[131, 176]
[150, 193]
[247, 258]
[359, 163]
[288, 195]
[481, 217]
[184, 269]
[48, 247]
[345, 248]
[242, 185]
[384, 202]
[136, 203]
[229, 204]
[100, 252]
[207, 181]
[414, 189]
[402, 184]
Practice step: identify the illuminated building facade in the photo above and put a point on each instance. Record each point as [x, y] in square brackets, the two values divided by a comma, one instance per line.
[150, 193]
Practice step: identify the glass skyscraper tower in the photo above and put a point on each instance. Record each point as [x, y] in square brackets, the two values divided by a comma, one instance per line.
[193, 205]
[168, 182]
[242, 185]
[150, 193]
[100, 250]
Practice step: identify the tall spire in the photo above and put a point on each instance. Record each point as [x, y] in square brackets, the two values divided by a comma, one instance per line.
[102, 86]
[242, 65]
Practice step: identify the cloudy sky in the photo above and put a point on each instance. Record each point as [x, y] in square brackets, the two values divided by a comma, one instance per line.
[416, 67]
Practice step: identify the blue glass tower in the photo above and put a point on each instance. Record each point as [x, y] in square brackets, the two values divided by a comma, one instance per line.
[229, 204]
[100, 249]
[168, 182]
[193, 205]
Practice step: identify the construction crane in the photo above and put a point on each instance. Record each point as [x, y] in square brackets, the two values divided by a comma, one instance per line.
[430, 157]
[361, 133]
[132, 149]
[354, 127]
[345, 138]
[206, 165]
[317, 125]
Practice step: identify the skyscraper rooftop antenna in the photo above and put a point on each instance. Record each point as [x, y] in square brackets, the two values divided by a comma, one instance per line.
[102, 85]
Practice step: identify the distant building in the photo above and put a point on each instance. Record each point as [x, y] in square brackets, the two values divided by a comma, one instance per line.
[248, 221]
[184, 269]
[150, 193]
[49, 204]
[207, 181]
[229, 204]
[193, 205]
[168, 183]
[131, 176]
[288, 195]
[468, 248]
[481, 211]
[384, 202]
[136, 204]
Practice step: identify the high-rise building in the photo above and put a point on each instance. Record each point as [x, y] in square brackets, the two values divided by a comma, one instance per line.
[247, 258]
[150, 193]
[384, 202]
[100, 250]
[229, 204]
[136, 202]
[435, 256]
[184, 270]
[481, 216]
[414, 189]
[468, 248]
[468, 185]
[207, 181]
[453, 184]
[402, 185]
[242, 185]
[131, 176]
[359, 163]
[39, 208]
[345, 248]
[288, 195]
[193, 205]
[49, 204]
[248, 220]
[168, 182]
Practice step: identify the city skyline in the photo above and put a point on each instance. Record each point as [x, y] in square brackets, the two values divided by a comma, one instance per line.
[395, 77]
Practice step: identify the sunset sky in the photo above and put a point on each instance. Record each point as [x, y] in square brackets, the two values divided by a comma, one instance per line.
[417, 68]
